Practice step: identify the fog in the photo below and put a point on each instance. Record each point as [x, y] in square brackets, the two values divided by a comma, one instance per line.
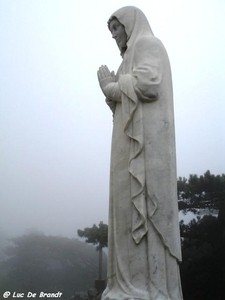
[55, 128]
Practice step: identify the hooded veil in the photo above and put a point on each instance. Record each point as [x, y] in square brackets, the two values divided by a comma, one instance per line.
[144, 240]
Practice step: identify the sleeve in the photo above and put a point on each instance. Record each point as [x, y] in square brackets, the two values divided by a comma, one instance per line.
[147, 69]
[111, 104]
[112, 91]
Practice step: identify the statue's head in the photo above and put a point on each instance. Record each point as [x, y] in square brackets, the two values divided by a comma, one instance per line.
[128, 24]
[118, 33]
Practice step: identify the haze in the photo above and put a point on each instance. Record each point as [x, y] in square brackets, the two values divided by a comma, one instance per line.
[55, 128]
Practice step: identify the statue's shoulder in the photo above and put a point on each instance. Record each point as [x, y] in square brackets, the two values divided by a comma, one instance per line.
[148, 40]
[149, 43]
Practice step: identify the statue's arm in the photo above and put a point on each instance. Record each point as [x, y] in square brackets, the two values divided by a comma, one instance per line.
[112, 92]
[148, 71]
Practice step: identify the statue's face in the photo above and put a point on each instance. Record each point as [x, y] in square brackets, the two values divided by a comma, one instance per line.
[118, 33]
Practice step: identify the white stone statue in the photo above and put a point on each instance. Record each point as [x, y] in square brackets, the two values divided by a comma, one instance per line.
[144, 240]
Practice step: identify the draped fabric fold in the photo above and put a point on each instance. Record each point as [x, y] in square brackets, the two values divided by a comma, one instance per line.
[133, 127]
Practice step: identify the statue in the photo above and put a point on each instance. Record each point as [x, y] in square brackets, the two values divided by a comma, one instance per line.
[144, 240]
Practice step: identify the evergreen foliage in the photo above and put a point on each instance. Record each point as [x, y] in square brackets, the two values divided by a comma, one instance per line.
[96, 235]
[207, 190]
[203, 240]
[202, 269]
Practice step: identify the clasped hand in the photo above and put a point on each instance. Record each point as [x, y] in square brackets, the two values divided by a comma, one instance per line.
[105, 77]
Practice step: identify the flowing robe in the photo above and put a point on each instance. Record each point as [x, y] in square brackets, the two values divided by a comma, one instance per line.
[144, 241]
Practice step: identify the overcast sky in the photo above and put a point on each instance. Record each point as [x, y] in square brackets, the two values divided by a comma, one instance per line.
[55, 128]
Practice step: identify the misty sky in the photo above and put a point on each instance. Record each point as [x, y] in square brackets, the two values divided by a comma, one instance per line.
[55, 129]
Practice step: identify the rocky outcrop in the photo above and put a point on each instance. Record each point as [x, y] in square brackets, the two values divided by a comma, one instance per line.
[91, 294]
